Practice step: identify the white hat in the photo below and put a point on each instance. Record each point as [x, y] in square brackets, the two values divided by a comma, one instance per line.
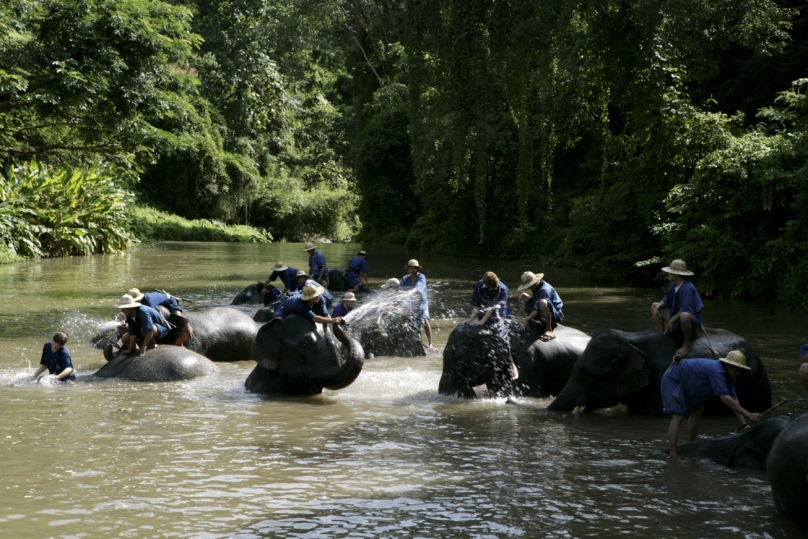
[391, 283]
[309, 247]
[529, 279]
[413, 263]
[127, 302]
[736, 359]
[349, 296]
[301, 273]
[136, 294]
[279, 267]
[311, 291]
[678, 267]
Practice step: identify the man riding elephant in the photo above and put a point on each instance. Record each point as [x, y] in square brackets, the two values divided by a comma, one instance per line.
[489, 303]
[155, 300]
[543, 306]
[309, 305]
[302, 279]
[144, 325]
[679, 312]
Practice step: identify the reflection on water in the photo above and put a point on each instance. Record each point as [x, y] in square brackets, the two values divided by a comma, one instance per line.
[384, 457]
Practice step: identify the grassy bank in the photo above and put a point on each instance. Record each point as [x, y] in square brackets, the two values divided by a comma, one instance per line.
[147, 224]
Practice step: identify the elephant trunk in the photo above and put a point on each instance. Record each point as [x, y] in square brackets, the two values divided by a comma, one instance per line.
[349, 363]
[568, 399]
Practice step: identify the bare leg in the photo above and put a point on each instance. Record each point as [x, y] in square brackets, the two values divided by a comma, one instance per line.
[673, 433]
[514, 370]
[428, 330]
[693, 424]
[686, 323]
[544, 309]
[660, 316]
[324, 283]
[804, 375]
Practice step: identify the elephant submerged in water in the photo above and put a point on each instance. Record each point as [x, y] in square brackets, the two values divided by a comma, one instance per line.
[386, 326]
[787, 467]
[749, 449]
[618, 367]
[162, 364]
[294, 358]
[475, 355]
[251, 295]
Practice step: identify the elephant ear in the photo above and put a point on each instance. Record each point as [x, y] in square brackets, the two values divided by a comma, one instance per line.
[268, 345]
[632, 369]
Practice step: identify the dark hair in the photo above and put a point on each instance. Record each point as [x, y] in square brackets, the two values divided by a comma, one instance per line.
[490, 279]
[61, 337]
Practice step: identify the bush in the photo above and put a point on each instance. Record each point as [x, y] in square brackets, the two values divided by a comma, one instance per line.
[148, 224]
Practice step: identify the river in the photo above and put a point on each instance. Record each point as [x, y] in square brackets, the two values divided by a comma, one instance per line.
[385, 457]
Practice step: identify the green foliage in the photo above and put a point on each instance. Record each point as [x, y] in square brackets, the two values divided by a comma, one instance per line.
[47, 212]
[148, 224]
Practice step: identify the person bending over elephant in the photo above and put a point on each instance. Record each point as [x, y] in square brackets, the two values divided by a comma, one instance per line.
[144, 325]
[302, 279]
[686, 386]
[286, 275]
[155, 300]
[543, 306]
[309, 305]
[489, 308]
[356, 274]
[680, 309]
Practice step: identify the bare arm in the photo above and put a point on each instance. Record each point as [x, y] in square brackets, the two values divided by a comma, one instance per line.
[64, 373]
[40, 370]
[742, 414]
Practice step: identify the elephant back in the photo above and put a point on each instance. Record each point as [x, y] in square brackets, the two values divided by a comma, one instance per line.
[786, 467]
[222, 334]
[162, 364]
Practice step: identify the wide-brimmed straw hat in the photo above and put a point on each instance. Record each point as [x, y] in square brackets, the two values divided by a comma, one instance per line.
[127, 302]
[309, 247]
[678, 267]
[391, 283]
[301, 273]
[413, 263]
[136, 294]
[529, 279]
[280, 266]
[361, 253]
[736, 359]
[349, 296]
[311, 291]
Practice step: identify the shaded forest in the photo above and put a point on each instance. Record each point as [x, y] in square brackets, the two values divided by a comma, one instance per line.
[604, 134]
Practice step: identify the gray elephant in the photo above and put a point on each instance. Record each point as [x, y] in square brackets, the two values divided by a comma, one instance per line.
[251, 295]
[475, 355]
[294, 358]
[264, 314]
[786, 466]
[165, 363]
[748, 449]
[627, 368]
[336, 280]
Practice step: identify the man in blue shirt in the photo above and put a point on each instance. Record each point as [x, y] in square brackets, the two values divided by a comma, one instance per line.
[347, 305]
[286, 274]
[489, 306]
[310, 305]
[680, 309]
[687, 386]
[543, 305]
[317, 266]
[302, 279]
[271, 294]
[357, 272]
[416, 282]
[56, 359]
[144, 325]
[156, 299]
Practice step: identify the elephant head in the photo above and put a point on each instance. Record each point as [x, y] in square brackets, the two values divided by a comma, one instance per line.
[251, 295]
[474, 355]
[294, 358]
[607, 373]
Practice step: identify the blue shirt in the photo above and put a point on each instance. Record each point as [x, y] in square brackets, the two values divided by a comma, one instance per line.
[688, 385]
[317, 261]
[155, 299]
[295, 305]
[496, 300]
[358, 264]
[57, 361]
[272, 296]
[341, 310]
[803, 350]
[419, 284]
[299, 290]
[287, 277]
[545, 291]
[146, 319]
[686, 300]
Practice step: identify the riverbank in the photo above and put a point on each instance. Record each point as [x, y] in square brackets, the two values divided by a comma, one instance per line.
[148, 224]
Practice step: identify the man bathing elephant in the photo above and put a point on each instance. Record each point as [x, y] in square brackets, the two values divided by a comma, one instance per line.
[543, 306]
[302, 279]
[144, 325]
[686, 386]
[155, 300]
[356, 274]
[286, 274]
[309, 305]
[489, 307]
[317, 266]
[347, 305]
[680, 309]
[415, 283]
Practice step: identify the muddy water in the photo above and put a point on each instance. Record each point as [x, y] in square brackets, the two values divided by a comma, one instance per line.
[386, 457]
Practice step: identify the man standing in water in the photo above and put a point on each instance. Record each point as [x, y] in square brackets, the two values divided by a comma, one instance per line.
[680, 309]
[357, 272]
[416, 281]
[688, 385]
[317, 266]
[544, 306]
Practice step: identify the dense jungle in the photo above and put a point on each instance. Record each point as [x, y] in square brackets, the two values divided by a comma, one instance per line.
[604, 134]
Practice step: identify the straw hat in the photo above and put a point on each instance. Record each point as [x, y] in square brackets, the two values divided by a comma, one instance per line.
[301, 273]
[735, 358]
[136, 294]
[127, 302]
[309, 247]
[349, 296]
[529, 279]
[678, 267]
[391, 283]
[412, 263]
[280, 266]
[361, 253]
[311, 291]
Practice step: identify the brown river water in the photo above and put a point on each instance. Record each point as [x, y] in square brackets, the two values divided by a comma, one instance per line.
[385, 457]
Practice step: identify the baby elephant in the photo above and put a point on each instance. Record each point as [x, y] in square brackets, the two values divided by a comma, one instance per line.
[750, 449]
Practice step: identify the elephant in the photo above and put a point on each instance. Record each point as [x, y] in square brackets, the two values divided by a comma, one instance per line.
[618, 367]
[264, 314]
[787, 467]
[251, 295]
[749, 449]
[165, 363]
[393, 334]
[336, 280]
[295, 359]
[476, 355]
